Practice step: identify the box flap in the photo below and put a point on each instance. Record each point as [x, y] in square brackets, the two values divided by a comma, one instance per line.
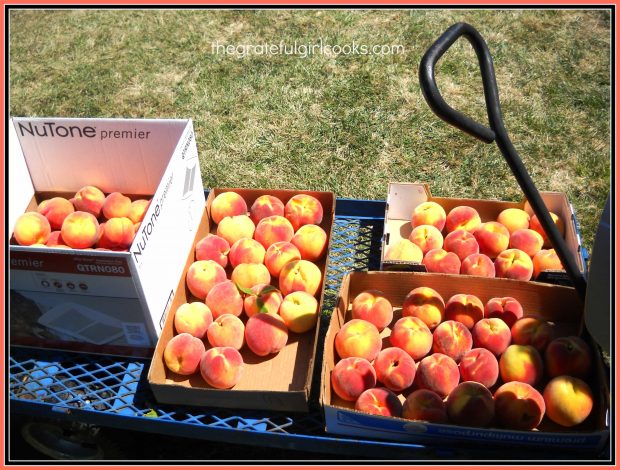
[21, 188]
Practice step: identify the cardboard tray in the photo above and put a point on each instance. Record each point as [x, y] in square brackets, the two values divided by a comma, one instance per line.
[281, 382]
[558, 304]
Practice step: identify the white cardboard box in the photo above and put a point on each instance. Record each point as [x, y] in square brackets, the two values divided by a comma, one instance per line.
[100, 301]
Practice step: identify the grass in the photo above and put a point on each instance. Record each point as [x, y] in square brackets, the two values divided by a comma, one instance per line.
[348, 124]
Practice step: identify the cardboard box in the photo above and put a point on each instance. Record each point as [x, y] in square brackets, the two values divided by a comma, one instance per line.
[559, 304]
[404, 197]
[102, 301]
[280, 382]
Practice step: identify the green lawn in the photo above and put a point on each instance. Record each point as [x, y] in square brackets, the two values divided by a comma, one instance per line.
[346, 123]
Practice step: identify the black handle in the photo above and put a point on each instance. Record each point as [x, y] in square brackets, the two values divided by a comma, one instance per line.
[496, 132]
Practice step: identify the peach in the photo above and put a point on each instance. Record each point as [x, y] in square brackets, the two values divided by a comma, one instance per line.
[478, 265]
[214, 248]
[379, 401]
[117, 234]
[300, 311]
[273, 229]
[404, 250]
[247, 275]
[32, 227]
[89, 199]
[265, 334]
[438, 373]
[300, 275]
[519, 406]
[264, 299]
[373, 306]
[462, 218]
[492, 334]
[224, 297]
[303, 209]
[116, 205]
[358, 338]
[492, 238]
[138, 210]
[534, 331]
[568, 355]
[226, 330]
[55, 210]
[461, 243]
[537, 227]
[55, 240]
[526, 240]
[227, 204]
[235, 228]
[182, 354]
[546, 260]
[311, 241]
[471, 404]
[413, 336]
[426, 304]
[202, 275]
[507, 308]
[429, 213]
[568, 400]
[80, 230]
[351, 376]
[425, 405]
[193, 318]
[395, 369]
[464, 308]
[479, 365]
[441, 261]
[521, 363]
[278, 255]
[514, 264]
[221, 367]
[453, 339]
[266, 206]
[427, 237]
[514, 219]
[246, 250]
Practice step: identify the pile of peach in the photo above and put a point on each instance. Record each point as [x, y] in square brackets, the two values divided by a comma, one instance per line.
[88, 220]
[511, 246]
[254, 281]
[461, 362]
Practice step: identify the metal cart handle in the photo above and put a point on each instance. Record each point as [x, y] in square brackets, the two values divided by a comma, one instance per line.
[495, 132]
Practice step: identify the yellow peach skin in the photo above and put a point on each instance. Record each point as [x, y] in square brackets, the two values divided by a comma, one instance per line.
[226, 330]
[246, 250]
[89, 199]
[278, 255]
[31, 228]
[235, 228]
[311, 241]
[116, 205]
[202, 276]
[514, 264]
[404, 250]
[427, 237]
[301, 275]
[514, 219]
[247, 275]
[117, 234]
[299, 311]
[265, 299]
[429, 213]
[426, 304]
[373, 306]
[55, 210]
[80, 230]
[266, 206]
[138, 209]
[492, 238]
[303, 209]
[546, 260]
[358, 338]
[182, 354]
[537, 227]
[221, 367]
[227, 204]
[568, 400]
[193, 318]
[273, 229]
[462, 218]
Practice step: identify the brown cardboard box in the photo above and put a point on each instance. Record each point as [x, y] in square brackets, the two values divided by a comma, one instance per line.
[281, 382]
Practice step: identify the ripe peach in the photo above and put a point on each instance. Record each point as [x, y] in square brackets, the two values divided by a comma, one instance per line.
[519, 406]
[425, 405]
[568, 355]
[379, 401]
[55, 210]
[212, 247]
[116, 205]
[441, 261]
[31, 228]
[202, 276]
[117, 234]
[507, 308]
[278, 255]
[395, 369]
[537, 226]
[438, 373]
[246, 250]
[138, 209]
[193, 318]
[265, 334]
[526, 240]
[413, 336]
[358, 338]
[182, 354]
[89, 199]
[303, 209]
[533, 331]
[221, 367]
[546, 259]
[492, 334]
[300, 275]
[299, 311]
[266, 206]
[427, 237]
[478, 265]
[311, 241]
[462, 218]
[372, 306]
[426, 304]
[224, 297]
[235, 228]
[514, 264]
[479, 365]
[429, 213]
[521, 363]
[247, 275]
[265, 299]
[227, 204]
[404, 250]
[492, 238]
[514, 219]
[461, 243]
[226, 330]
[568, 400]
[471, 404]
[273, 229]
[351, 376]
[55, 240]
[453, 339]
[80, 230]
[464, 308]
